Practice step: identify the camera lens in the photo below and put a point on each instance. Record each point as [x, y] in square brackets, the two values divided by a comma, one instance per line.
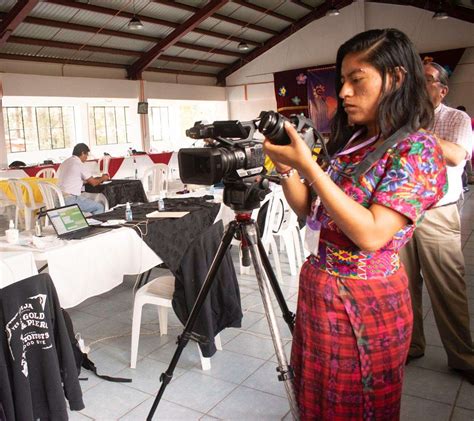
[272, 127]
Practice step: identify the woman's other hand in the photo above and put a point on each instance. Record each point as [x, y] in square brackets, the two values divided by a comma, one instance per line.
[294, 155]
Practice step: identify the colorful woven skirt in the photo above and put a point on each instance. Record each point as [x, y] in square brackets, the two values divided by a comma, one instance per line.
[350, 344]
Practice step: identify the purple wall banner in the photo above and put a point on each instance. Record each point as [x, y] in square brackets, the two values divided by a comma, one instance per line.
[322, 102]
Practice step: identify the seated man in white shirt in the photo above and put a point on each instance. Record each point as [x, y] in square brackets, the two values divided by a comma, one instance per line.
[73, 174]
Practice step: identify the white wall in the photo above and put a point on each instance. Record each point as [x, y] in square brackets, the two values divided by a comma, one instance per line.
[317, 44]
[82, 92]
[70, 70]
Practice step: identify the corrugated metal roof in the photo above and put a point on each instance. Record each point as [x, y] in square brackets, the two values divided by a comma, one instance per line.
[11, 48]
[84, 17]
[150, 29]
[205, 69]
[104, 28]
[30, 30]
[63, 53]
[69, 35]
[53, 11]
[199, 55]
[112, 58]
[6, 5]
[128, 44]
[165, 12]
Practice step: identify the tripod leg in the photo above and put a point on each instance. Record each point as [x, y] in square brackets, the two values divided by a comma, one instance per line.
[286, 372]
[183, 339]
[288, 316]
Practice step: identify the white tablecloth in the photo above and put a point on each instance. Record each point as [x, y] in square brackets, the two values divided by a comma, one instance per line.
[15, 266]
[85, 268]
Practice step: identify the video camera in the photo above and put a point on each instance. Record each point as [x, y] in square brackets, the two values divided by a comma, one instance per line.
[233, 153]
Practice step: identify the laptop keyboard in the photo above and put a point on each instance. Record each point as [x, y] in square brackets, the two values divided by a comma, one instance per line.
[86, 232]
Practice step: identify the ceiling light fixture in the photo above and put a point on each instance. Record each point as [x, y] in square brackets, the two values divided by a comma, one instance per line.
[134, 23]
[243, 46]
[333, 12]
[440, 13]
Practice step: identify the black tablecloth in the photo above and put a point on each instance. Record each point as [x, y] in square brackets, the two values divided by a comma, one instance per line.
[187, 246]
[169, 238]
[120, 191]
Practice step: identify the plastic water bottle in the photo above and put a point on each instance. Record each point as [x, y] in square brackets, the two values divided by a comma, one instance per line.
[128, 212]
[38, 230]
[161, 204]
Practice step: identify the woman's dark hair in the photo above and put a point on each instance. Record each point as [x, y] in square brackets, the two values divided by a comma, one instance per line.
[80, 148]
[407, 104]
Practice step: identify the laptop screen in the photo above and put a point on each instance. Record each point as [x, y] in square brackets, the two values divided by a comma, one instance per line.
[67, 219]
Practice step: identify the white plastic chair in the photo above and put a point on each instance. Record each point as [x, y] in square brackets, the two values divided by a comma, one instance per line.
[46, 173]
[268, 240]
[52, 196]
[6, 205]
[28, 206]
[104, 164]
[285, 227]
[158, 292]
[155, 180]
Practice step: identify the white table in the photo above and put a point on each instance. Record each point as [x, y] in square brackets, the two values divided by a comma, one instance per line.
[15, 266]
[81, 269]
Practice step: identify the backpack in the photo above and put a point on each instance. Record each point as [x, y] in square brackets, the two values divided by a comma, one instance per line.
[82, 360]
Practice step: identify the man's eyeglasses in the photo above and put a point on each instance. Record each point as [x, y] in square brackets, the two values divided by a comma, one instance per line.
[430, 79]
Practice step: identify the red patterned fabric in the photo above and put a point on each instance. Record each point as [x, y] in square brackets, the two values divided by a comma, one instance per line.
[350, 343]
[32, 171]
[114, 165]
[160, 158]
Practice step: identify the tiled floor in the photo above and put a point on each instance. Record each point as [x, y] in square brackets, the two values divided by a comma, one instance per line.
[241, 384]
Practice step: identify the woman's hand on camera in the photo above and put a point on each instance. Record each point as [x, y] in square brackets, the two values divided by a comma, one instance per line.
[294, 155]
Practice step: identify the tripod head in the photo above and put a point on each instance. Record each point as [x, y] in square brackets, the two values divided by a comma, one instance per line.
[245, 194]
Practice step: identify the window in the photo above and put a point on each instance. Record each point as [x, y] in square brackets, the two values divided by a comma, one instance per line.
[160, 124]
[108, 125]
[39, 128]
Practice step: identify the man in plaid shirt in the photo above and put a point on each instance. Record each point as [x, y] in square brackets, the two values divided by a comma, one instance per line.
[434, 253]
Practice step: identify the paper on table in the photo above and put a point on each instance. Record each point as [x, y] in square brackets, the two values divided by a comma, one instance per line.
[158, 214]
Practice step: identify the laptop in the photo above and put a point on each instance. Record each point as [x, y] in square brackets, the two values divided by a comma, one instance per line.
[70, 224]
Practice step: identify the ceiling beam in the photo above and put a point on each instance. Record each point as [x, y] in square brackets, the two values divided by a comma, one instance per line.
[98, 64]
[300, 3]
[219, 16]
[457, 12]
[121, 34]
[106, 50]
[136, 69]
[14, 17]
[114, 12]
[317, 13]
[180, 72]
[263, 10]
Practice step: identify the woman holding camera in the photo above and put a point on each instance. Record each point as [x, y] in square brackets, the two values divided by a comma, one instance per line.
[354, 317]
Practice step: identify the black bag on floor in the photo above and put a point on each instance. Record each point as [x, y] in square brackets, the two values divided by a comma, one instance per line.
[82, 360]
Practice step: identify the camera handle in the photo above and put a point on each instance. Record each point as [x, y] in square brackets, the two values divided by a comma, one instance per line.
[248, 230]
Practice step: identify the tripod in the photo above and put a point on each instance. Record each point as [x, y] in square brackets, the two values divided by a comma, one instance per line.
[246, 228]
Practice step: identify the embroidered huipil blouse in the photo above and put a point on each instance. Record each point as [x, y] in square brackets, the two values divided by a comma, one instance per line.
[409, 178]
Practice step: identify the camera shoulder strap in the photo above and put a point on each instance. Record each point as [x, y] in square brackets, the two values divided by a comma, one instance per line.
[373, 157]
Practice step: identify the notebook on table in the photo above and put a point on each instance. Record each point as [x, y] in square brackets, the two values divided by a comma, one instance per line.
[70, 224]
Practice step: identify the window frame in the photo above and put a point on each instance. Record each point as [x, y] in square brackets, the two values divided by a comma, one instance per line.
[21, 109]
